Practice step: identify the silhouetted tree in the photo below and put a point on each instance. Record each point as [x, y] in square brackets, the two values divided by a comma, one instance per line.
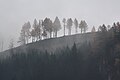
[56, 26]
[35, 23]
[83, 26]
[108, 27]
[116, 31]
[102, 28]
[44, 34]
[33, 35]
[35, 30]
[69, 25]
[93, 29]
[64, 24]
[48, 26]
[11, 45]
[25, 33]
[22, 37]
[76, 24]
[38, 31]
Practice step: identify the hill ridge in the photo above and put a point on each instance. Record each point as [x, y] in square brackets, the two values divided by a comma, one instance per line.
[52, 44]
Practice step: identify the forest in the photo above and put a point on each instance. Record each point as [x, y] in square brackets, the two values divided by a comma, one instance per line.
[96, 60]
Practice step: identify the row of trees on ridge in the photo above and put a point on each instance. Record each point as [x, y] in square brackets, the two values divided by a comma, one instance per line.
[47, 28]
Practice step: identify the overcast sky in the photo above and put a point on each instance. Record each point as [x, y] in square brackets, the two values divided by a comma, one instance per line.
[14, 13]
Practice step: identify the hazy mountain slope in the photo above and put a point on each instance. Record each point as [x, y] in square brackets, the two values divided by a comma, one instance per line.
[54, 43]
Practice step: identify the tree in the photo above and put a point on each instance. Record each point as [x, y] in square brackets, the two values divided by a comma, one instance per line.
[1, 45]
[83, 26]
[69, 25]
[76, 24]
[118, 27]
[44, 34]
[11, 45]
[35, 24]
[108, 27]
[64, 24]
[33, 35]
[74, 50]
[22, 37]
[102, 28]
[28, 26]
[56, 26]
[48, 26]
[93, 29]
[35, 30]
[116, 31]
[38, 31]
[25, 33]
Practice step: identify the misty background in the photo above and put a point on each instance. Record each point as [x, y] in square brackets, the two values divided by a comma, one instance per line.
[14, 13]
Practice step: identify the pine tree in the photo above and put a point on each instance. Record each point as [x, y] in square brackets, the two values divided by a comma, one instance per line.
[64, 24]
[25, 33]
[56, 26]
[76, 25]
[69, 25]
[93, 29]
[48, 26]
[83, 26]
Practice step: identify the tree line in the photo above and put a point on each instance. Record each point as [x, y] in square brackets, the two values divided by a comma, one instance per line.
[47, 28]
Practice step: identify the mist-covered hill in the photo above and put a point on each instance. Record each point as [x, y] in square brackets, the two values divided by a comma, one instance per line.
[90, 56]
[53, 44]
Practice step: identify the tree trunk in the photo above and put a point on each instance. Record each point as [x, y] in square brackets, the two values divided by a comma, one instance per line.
[50, 34]
[55, 33]
[81, 30]
[64, 29]
[70, 31]
[76, 30]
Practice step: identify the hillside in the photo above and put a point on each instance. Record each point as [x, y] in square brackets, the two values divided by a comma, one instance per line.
[53, 44]
[95, 56]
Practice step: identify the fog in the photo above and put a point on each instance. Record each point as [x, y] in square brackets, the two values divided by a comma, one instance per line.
[14, 13]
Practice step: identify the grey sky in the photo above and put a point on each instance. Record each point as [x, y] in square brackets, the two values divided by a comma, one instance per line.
[14, 13]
